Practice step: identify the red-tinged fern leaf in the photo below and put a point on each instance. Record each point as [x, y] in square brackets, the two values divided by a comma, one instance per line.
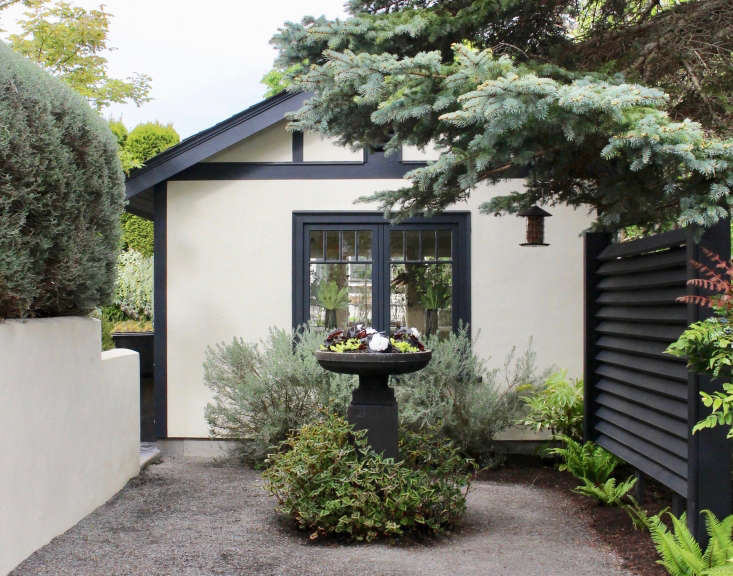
[719, 263]
[719, 283]
[704, 301]
[709, 285]
[707, 271]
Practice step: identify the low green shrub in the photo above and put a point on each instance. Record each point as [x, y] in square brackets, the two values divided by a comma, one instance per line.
[61, 196]
[681, 555]
[585, 461]
[133, 326]
[134, 285]
[557, 406]
[331, 483]
[457, 395]
[108, 316]
[263, 391]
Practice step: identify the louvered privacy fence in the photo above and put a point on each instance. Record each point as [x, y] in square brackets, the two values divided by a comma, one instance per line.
[641, 403]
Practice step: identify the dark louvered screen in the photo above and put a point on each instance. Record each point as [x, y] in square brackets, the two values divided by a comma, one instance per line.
[640, 402]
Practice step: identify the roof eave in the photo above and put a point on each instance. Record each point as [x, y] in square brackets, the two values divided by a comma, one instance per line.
[212, 140]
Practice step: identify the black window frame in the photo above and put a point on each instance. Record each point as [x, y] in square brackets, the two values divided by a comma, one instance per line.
[458, 222]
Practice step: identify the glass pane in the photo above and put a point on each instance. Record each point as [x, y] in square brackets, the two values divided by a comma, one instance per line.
[444, 244]
[412, 245]
[348, 245]
[316, 245]
[421, 296]
[428, 245]
[340, 294]
[365, 244]
[332, 246]
[396, 245]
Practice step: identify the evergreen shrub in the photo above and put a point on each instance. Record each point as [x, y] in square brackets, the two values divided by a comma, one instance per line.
[150, 139]
[331, 483]
[137, 234]
[61, 196]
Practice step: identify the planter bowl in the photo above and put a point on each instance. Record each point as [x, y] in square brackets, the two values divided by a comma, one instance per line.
[373, 363]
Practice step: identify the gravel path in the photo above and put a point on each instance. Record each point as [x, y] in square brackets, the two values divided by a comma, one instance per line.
[189, 517]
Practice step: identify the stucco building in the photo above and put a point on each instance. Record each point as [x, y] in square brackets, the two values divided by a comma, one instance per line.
[258, 227]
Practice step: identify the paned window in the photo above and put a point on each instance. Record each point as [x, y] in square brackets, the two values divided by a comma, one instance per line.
[358, 268]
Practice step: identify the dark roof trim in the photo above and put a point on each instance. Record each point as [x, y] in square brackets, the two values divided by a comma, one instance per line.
[212, 140]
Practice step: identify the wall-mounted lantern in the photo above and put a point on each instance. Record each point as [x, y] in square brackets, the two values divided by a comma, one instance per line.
[535, 226]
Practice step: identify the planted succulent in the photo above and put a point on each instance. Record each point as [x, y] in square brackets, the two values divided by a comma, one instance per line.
[359, 338]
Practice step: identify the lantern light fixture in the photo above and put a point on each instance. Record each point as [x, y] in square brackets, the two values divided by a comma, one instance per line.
[535, 226]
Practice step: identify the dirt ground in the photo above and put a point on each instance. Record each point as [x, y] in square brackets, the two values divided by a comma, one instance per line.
[197, 517]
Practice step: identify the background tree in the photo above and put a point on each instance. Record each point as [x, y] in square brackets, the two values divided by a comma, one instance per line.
[504, 87]
[136, 147]
[70, 43]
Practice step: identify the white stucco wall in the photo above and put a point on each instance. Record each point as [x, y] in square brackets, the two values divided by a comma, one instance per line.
[316, 148]
[229, 274]
[413, 153]
[70, 429]
[273, 144]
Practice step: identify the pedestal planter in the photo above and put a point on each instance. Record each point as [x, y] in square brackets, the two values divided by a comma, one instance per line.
[373, 406]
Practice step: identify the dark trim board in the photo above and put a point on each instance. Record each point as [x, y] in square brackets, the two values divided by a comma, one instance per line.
[374, 166]
[212, 140]
[459, 222]
[297, 147]
[160, 312]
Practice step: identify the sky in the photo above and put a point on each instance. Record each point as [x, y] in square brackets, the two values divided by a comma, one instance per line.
[205, 57]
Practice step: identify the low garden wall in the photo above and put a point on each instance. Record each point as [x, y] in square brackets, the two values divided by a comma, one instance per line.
[70, 428]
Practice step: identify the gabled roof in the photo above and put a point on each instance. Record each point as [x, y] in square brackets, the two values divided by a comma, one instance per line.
[206, 143]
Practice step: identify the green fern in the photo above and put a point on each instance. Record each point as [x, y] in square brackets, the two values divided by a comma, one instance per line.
[608, 493]
[680, 553]
[639, 516]
[585, 461]
[725, 570]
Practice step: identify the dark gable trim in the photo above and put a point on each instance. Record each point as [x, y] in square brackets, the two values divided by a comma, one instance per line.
[212, 140]
[459, 221]
[160, 312]
[297, 147]
[374, 166]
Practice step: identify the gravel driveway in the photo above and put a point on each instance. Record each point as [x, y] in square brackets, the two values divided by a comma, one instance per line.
[189, 517]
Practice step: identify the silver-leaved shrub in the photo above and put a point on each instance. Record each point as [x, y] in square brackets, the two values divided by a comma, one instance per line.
[134, 285]
[264, 391]
[459, 396]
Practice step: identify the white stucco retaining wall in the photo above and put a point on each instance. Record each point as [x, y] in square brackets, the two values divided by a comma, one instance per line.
[70, 419]
[229, 255]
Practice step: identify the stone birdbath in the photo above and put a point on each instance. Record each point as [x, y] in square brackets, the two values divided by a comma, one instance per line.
[373, 405]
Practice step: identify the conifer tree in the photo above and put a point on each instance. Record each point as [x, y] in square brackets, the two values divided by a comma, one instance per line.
[493, 85]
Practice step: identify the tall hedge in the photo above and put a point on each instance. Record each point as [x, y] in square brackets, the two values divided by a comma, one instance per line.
[150, 139]
[61, 195]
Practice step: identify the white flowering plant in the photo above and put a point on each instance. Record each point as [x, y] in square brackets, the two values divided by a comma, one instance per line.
[360, 338]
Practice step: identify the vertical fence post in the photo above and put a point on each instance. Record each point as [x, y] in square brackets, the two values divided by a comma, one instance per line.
[709, 482]
[593, 244]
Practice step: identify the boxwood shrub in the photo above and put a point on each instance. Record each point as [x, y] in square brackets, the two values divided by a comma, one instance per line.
[61, 196]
